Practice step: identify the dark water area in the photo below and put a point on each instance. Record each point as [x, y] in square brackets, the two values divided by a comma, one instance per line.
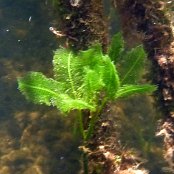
[33, 139]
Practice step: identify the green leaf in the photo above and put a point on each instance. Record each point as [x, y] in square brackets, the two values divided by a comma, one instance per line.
[100, 73]
[67, 71]
[131, 67]
[128, 90]
[42, 90]
[38, 88]
[92, 56]
[76, 70]
[66, 104]
[116, 48]
[93, 83]
[110, 78]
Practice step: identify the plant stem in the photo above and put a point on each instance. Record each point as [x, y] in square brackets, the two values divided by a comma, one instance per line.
[90, 130]
[85, 163]
[94, 119]
[70, 75]
[88, 134]
[82, 132]
[80, 121]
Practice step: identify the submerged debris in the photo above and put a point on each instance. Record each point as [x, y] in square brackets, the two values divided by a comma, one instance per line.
[83, 22]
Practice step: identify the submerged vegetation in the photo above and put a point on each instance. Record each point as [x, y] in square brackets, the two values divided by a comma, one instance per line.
[120, 134]
[88, 80]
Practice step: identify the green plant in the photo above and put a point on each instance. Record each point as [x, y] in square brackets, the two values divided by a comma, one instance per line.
[87, 80]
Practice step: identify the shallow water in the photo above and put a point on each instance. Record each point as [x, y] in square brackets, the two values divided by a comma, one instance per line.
[33, 139]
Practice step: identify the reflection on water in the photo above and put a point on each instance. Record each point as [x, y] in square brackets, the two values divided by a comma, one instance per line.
[33, 139]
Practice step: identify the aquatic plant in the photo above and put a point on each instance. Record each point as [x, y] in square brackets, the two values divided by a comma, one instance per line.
[87, 80]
